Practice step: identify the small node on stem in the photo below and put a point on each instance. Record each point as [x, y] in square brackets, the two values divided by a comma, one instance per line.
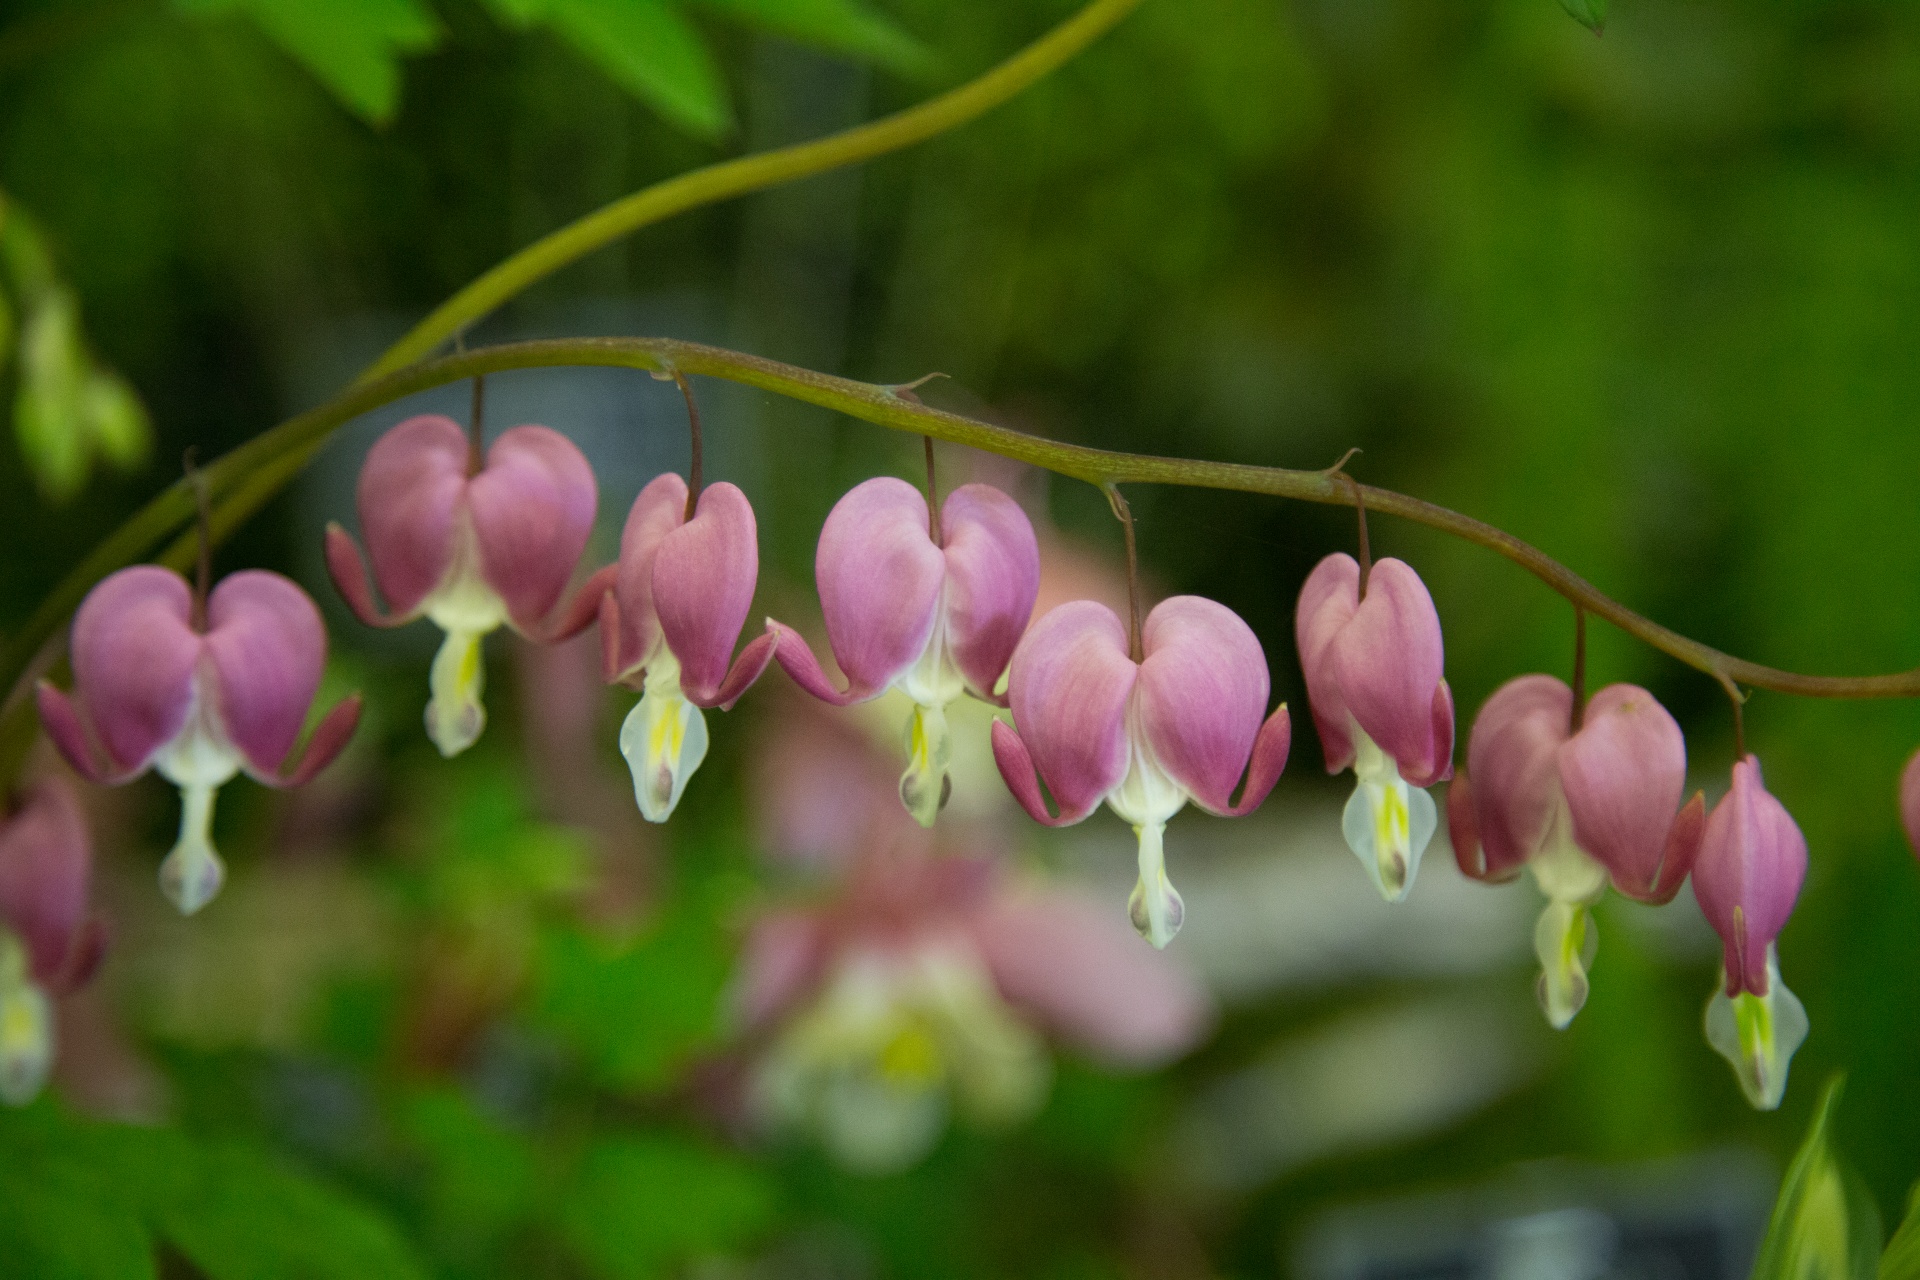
[933, 494]
[905, 390]
[1579, 669]
[693, 437]
[1124, 514]
[203, 536]
[1340, 467]
[476, 427]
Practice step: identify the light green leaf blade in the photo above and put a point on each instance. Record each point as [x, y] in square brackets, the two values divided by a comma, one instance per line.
[842, 26]
[636, 1206]
[47, 410]
[649, 49]
[1591, 14]
[1902, 1258]
[115, 419]
[353, 47]
[1825, 1225]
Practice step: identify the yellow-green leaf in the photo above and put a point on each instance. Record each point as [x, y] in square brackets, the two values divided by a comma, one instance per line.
[1825, 1225]
[353, 47]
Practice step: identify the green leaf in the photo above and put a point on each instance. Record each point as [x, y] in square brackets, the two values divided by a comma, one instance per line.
[47, 416]
[1825, 1225]
[636, 1206]
[1902, 1258]
[353, 47]
[646, 47]
[1591, 14]
[61, 1216]
[484, 1177]
[842, 26]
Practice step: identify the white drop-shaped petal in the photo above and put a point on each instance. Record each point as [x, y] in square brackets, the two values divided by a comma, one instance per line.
[455, 714]
[924, 785]
[26, 1027]
[199, 761]
[1387, 823]
[664, 740]
[1758, 1035]
[1565, 939]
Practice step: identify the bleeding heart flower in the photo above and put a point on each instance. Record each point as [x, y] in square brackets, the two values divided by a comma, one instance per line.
[679, 598]
[48, 944]
[1575, 807]
[1751, 865]
[1182, 723]
[1373, 669]
[1910, 801]
[199, 700]
[469, 547]
[933, 613]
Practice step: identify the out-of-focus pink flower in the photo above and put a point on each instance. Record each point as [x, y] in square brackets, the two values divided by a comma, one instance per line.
[469, 547]
[922, 984]
[934, 619]
[49, 945]
[1183, 723]
[1575, 807]
[679, 599]
[1373, 669]
[1752, 862]
[1910, 801]
[153, 686]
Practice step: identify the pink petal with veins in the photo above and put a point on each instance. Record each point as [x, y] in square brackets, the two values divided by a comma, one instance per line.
[533, 509]
[1327, 602]
[703, 579]
[635, 630]
[134, 653]
[46, 859]
[993, 578]
[1069, 684]
[268, 648]
[1623, 775]
[1512, 756]
[1910, 801]
[411, 489]
[1752, 862]
[1201, 699]
[1388, 661]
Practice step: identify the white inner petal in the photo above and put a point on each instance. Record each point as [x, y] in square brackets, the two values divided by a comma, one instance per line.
[664, 739]
[1565, 939]
[1387, 823]
[26, 1027]
[199, 761]
[1147, 798]
[467, 609]
[932, 681]
[1758, 1034]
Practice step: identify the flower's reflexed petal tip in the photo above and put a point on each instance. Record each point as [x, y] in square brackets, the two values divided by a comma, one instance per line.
[1069, 684]
[1463, 829]
[1070, 961]
[1910, 801]
[1388, 825]
[1442, 737]
[348, 569]
[409, 496]
[880, 578]
[747, 668]
[703, 580]
[1565, 939]
[1327, 602]
[1017, 771]
[1201, 695]
[533, 510]
[796, 658]
[46, 862]
[192, 873]
[1623, 775]
[90, 943]
[134, 655]
[1270, 750]
[1388, 661]
[1758, 1034]
[1155, 907]
[664, 740]
[455, 715]
[925, 786]
[1510, 755]
[328, 740]
[993, 579]
[635, 631]
[63, 726]
[268, 648]
[582, 610]
[1748, 875]
[1682, 851]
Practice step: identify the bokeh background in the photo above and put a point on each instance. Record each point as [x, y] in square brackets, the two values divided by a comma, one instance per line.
[1649, 301]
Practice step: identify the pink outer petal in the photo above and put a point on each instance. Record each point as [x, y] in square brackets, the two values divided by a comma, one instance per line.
[267, 646]
[328, 740]
[803, 668]
[1623, 775]
[1752, 860]
[880, 578]
[993, 578]
[1081, 969]
[1201, 696]
[580, 612]
[46, 860]
[1463, 831]
[349, 573]
[63, 725]
[134, 655]
[780, 962]
[533, 511]
[1910, 801]
[411, 489]
[1388, 660]
[1327, 602]
[703, 579]
[1070, 682]
[1511, 758]
[635, 630]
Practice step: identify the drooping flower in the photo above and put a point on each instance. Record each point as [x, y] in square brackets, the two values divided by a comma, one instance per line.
[679, 599]
[1910, 801]
[925, 985]
[1373, 668]
[198, 698]
[932, 617]
[1182, 723]
[1751, 865]
[470, 547]
[48, 944]
[1576, 807]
